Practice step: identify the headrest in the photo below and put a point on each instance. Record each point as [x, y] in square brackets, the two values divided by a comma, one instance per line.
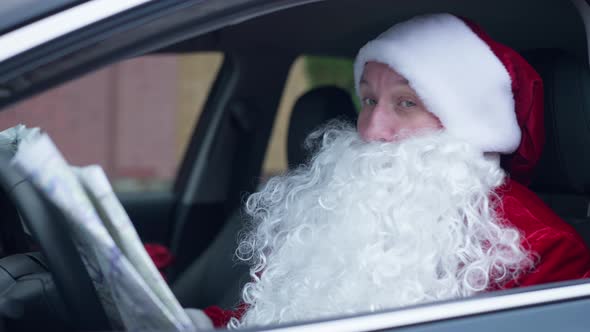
[565, 163]
[312, 110]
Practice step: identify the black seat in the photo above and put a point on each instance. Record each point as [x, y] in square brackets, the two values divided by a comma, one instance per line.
[312, 110]
[562, 178]
[215, 278]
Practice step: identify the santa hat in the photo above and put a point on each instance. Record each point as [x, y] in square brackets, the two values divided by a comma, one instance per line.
[481, 90]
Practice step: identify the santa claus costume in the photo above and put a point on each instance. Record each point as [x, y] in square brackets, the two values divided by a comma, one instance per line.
[442, 214]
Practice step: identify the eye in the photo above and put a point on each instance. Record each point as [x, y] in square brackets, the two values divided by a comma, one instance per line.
[407, 103]
[369, 102]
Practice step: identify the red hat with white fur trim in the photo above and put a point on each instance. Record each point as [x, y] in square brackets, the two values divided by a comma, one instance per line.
[481, 90]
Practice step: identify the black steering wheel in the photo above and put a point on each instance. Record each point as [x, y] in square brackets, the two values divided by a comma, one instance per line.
[49, 230]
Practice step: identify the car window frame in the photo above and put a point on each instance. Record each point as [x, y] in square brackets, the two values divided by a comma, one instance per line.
[17, 13]
[429, 316]
[96, 45]
[144, 28]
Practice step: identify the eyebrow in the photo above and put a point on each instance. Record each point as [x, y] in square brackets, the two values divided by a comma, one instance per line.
[401, 80]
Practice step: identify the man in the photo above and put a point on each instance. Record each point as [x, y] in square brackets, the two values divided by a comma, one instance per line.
[414, 206]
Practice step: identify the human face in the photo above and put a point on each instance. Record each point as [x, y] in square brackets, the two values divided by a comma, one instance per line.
[390, 109]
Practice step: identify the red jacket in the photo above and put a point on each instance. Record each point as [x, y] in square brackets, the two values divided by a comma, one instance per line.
[561, 252]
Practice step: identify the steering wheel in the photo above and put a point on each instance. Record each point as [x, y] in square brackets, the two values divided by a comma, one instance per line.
[49, 230]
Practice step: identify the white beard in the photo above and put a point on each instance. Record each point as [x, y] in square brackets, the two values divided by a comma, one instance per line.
[372, 226]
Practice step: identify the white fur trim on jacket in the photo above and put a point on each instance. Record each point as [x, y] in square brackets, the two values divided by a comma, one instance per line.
[456, 75]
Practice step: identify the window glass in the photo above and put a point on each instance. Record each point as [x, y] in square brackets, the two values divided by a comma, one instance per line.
[307, 72]
[134, 118]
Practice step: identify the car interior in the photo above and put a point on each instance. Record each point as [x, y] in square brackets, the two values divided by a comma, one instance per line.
[201, 220]
[559, 178]
[312, 109]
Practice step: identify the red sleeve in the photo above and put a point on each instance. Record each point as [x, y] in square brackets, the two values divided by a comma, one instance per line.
[560, 256]
[220, 317]
[560, 253]
[160, 255]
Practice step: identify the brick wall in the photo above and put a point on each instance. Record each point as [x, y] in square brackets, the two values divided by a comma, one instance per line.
[122, 117]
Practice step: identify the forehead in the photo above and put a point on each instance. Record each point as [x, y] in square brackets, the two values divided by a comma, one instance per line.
[376, 71]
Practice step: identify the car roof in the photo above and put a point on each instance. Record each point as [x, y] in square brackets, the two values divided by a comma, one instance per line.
[342, 27]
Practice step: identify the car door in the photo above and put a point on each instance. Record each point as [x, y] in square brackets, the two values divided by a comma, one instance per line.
[554, 307]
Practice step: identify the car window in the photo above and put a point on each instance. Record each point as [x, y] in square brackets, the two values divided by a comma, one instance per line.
[307, 73]
[134, 118]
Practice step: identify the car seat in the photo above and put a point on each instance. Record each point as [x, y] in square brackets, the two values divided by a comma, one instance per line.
[215, 277]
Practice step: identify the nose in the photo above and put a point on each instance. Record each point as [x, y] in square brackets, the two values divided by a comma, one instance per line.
[377, 124]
